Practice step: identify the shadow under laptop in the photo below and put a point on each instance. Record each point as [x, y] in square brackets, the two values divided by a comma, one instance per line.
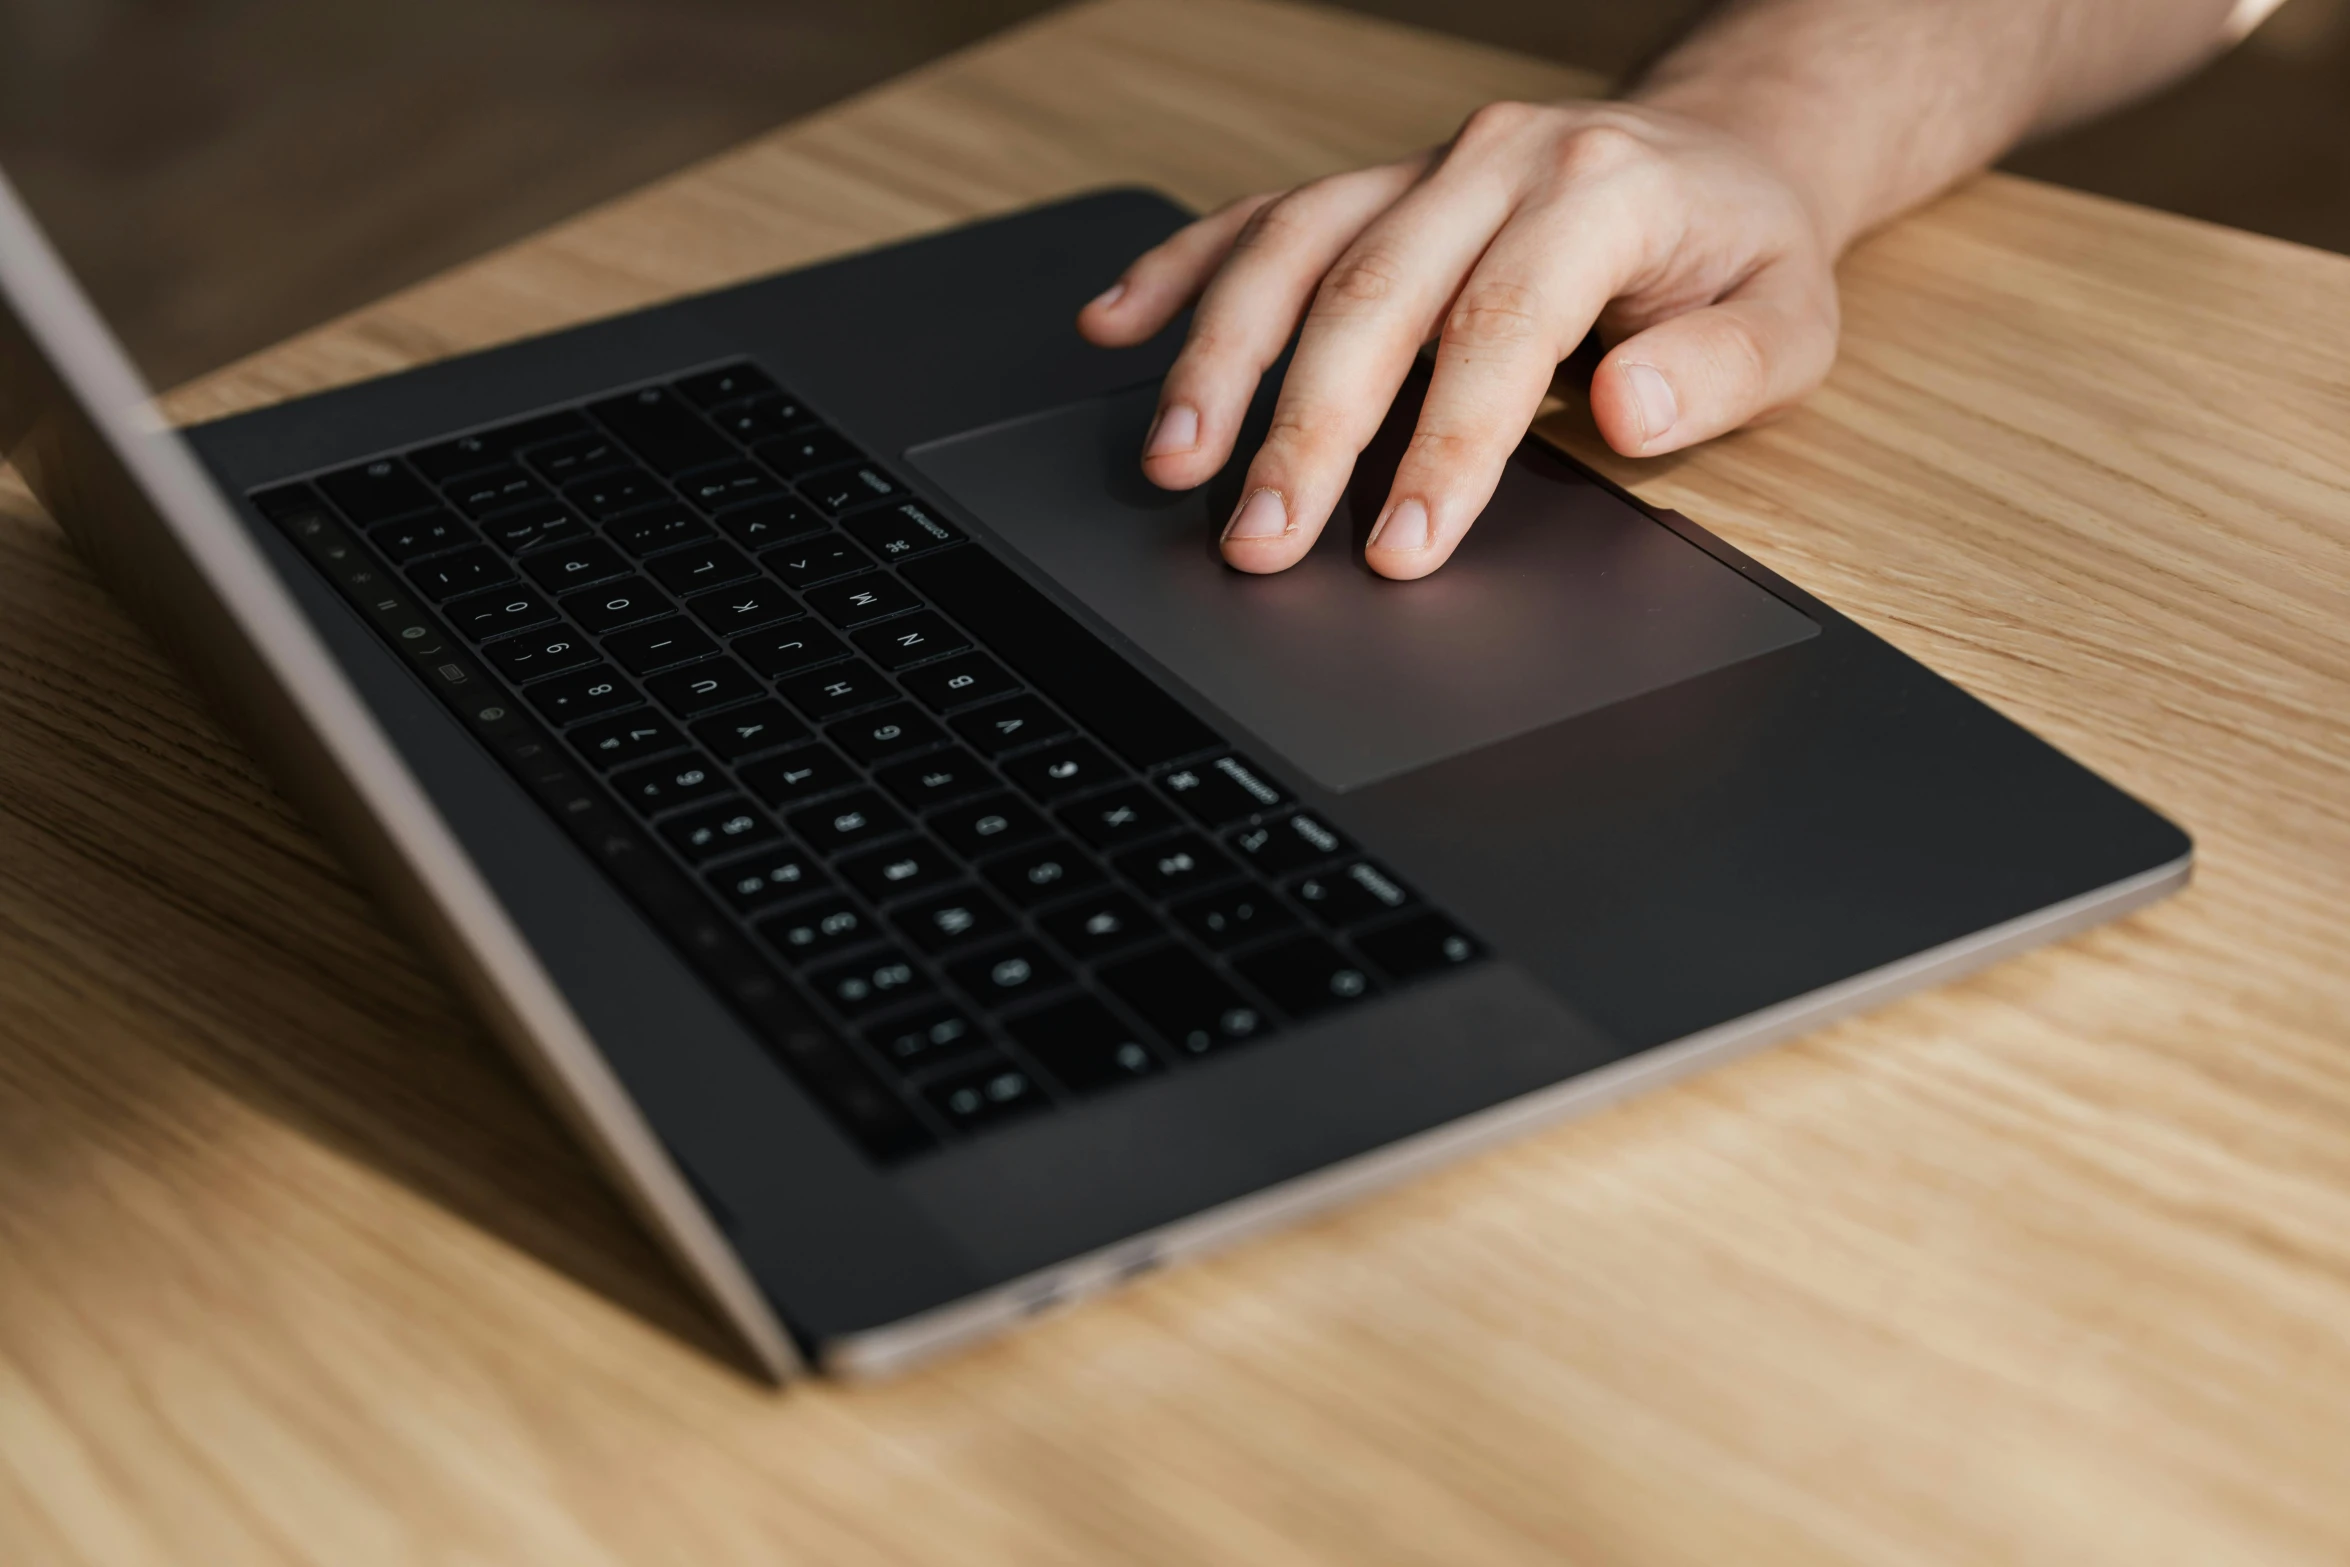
[218, 916]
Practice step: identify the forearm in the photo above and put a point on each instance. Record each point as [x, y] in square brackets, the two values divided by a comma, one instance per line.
[1869, 107]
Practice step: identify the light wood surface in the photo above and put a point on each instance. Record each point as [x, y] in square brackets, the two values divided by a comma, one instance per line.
[2050, 1266]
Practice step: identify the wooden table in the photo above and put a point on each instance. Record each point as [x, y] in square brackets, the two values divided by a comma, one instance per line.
[2053, 1265]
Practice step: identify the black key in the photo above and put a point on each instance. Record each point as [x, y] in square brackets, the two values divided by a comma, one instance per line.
[566, 566]
[533, 527]
[728, 484]
[1117, 817]
[1068, 663]
[704, 688]
[958, 682]
[934, 1033]
[746, 731]
[1351, 893]
[1422, 944]
[1063, 768]
[819, 559]
[616, 493]
[287, 503]
[488, 448]
[730, 611]
[717, 828]
[584, 693]
[724, 385]
[662, 430]
[886, 733]
[659, 644]
[991, 822]
[537, 653]
[642, 533]
[840, 688]
[606, 609]
[1290, 844]
[761, 418]
[673, 781]
[1222, 791]
[700, 566]
[1306, 975]
[1235, 916]
[838, 490]
[856, 600]
[562, 462]
[958, 917]
[759, 881]
[904, 530]
[869, 983]
[996, 1091]
[482, 615]
[494, 491]
[610, 742]
[787, 650]
[898, 871]
[806, 451]
[1189, 1004]
[909, 639]
[1097, 926]
[1174, 866]
[460, 571]
[1005, 726]
[764, 524]
[1006, 975]
[1083, 1044]
[940, 778]
[377, 492]
[849, 822]
[813, 929]
[402, 542]
[799, 775]
[1042, 872]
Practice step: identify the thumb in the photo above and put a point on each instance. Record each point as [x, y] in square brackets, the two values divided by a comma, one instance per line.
[1758, 348]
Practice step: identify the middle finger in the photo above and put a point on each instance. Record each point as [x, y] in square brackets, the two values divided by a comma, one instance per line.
[1369, 317]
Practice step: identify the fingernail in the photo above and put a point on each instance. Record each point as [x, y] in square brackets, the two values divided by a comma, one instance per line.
[1261, 516]
[1107, 297]
[1405, 527]
[1653, 395]
[1176, 429]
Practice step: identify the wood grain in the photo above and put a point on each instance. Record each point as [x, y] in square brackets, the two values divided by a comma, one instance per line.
[2050, 1266]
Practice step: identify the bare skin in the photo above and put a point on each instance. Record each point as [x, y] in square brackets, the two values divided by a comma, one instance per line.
[1696, 223]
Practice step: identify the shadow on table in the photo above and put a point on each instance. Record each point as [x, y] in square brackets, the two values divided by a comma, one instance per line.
[151, 867]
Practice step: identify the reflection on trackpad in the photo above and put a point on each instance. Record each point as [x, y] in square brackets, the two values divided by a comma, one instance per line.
[1563, 599]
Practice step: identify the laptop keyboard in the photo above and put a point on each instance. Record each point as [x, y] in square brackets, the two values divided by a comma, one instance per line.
[952, 857]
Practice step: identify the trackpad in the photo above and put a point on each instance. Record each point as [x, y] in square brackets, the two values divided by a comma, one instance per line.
[1563, 599]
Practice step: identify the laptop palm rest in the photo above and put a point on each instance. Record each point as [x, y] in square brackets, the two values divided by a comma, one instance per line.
[1564, 599]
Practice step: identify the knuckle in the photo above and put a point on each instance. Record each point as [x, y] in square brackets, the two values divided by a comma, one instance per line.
[1500, 121]
[1494, 315]
[1274, 224]
[1740, 356]
[1362, 279]
[1441, 447]
[1598, 151]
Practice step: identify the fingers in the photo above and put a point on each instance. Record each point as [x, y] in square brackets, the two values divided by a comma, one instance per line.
[1529, 301]
[1760, 347]
[1375, 307]
[1248, 311]
[1165, 278]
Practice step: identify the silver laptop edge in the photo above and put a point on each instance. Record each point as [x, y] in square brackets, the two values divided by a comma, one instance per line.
[261, 661]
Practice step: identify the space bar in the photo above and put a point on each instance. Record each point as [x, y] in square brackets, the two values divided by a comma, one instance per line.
[1060, 657]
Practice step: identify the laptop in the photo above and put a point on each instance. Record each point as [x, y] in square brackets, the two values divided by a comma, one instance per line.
[931, 883]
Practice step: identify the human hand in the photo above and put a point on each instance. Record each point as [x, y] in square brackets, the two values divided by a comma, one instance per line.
[1701, 265]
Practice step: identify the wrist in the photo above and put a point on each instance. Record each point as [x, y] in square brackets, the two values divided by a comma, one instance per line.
[1778, 124]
